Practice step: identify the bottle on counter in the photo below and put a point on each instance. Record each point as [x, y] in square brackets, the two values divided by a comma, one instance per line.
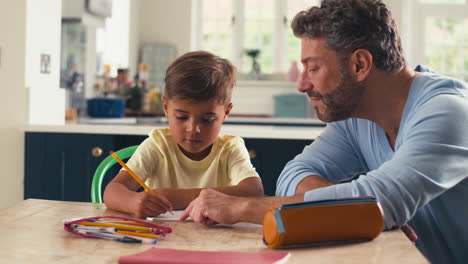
[135, 96]
[293, 72]
[143, 75]
[154, 100]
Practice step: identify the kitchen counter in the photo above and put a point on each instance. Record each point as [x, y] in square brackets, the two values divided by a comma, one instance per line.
[261, 128]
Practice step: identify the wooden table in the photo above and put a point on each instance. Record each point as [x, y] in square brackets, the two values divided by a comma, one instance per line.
[32, 232]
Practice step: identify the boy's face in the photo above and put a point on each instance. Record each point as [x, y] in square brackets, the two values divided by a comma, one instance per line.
[195, 125]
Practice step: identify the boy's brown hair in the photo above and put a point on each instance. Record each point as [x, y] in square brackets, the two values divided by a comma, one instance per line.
[199, 76]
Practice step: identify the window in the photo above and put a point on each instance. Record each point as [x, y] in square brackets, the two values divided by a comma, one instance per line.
[249, 24]
[440, 38]
[447, 45]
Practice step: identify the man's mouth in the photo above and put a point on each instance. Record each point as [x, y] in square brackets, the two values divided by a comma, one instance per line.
[313, 95]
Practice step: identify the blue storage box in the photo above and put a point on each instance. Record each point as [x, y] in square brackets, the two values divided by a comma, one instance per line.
[290, 105]
[105, 107]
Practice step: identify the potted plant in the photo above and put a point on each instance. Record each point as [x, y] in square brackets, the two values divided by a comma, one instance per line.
[255, 72]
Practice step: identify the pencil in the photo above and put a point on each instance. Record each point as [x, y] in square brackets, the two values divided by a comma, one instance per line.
[138, 234]
[125, 227]
[127, 223]
[142, 184]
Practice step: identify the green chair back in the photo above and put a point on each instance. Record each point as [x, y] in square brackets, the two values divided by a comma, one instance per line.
[106, 164]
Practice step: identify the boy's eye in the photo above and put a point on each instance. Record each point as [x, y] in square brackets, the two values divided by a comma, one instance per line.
[209, 120]
[181, 117]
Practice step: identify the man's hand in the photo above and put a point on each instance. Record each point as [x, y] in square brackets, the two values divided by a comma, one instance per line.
[212, 207]
[409, 232]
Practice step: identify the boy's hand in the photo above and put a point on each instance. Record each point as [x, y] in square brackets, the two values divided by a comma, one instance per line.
[167, 193]
[179, 198]
[144, 204]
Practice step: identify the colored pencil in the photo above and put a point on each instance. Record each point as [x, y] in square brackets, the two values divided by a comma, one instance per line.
[138, 234]
[126, 227]
[142, 184]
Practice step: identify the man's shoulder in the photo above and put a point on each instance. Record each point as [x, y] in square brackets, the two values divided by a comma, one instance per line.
[430, 82]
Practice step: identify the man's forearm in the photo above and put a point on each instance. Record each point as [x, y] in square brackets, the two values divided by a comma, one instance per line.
[312, 182]
[252, 210]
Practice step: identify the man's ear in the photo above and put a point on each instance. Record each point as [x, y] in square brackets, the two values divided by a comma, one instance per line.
[361, 61]
[228, 110]
[164, 103]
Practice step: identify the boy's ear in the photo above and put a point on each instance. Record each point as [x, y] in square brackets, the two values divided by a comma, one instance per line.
[164, 103]
[228, 110]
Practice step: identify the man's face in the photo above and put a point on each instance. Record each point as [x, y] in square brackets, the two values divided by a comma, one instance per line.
[327, 81]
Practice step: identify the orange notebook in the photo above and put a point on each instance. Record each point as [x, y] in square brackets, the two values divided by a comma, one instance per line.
[173, 256]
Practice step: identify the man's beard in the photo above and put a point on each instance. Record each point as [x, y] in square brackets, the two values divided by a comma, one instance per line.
[341, 102]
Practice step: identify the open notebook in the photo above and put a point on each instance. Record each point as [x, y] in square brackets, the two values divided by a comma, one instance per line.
[167, 255]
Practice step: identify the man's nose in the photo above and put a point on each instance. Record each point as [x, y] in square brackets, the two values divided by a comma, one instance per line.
[304, 84]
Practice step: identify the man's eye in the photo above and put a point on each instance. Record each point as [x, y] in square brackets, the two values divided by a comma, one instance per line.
[181, 117]
[313, 69]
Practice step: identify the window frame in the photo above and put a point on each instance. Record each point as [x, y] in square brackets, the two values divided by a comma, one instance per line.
[238, 58]
[415, 37]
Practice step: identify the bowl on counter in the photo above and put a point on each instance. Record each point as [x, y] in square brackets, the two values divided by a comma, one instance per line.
[105, 107]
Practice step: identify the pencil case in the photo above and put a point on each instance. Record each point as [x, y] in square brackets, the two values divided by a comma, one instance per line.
[323, 222]
[158, 230]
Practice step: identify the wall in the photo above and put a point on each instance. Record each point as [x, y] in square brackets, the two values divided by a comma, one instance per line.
[29, 28]
[165, 22]
[43, 37]
[14, 104]
[401, 12]
[133, 37]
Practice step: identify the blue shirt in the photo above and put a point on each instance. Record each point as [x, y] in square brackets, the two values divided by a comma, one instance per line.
[423, 182]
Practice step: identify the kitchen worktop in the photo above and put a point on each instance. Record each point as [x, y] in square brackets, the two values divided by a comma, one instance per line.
[268, 128]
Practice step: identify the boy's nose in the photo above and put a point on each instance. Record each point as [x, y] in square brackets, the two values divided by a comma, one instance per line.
[303, 85]
[193, 127]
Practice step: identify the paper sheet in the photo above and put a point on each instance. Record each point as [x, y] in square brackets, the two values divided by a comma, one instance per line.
[177, 213]
[168, 216]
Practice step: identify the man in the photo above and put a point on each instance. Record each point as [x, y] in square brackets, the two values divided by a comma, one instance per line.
[403, 131]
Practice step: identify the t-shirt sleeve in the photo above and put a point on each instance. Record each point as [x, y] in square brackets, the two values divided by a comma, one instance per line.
[430, 160]
[238, 160]
[144, 162]
[332, 156]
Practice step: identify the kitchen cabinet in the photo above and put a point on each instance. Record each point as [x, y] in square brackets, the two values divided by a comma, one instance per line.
[269, 156]
[60, 166]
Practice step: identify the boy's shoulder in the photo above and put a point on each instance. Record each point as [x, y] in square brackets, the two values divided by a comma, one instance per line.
[159, 133]
[228, 140]
[160, 136]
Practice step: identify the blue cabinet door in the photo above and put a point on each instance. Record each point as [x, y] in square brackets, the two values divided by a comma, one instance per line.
[60, 166]
[269, 156]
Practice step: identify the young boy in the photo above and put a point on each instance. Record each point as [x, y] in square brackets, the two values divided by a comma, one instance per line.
[177, 163]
